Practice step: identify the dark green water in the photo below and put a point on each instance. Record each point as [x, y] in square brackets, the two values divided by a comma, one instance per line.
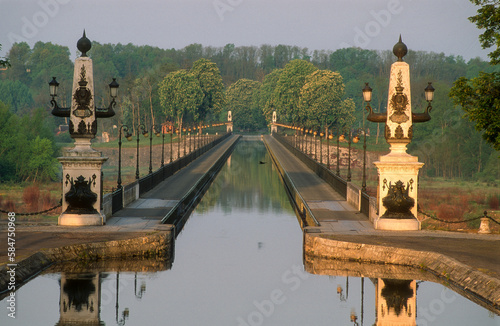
[238, 261]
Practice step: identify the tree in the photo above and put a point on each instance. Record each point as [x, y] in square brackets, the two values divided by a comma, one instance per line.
[180, 94]
[266, 100]
[480, 99]
[479, 96]
[3, 61]
[241, 100]
[488, 18]
[287, 92]
[208, 75]
[322, 100]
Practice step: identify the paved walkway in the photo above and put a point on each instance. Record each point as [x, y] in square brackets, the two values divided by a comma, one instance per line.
[138, 219]
[340, 221]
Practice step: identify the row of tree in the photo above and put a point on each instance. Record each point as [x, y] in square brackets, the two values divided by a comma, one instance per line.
[318, 89]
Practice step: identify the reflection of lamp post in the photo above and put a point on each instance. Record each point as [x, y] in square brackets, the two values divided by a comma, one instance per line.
[128, 135]
[142, 289]
[153, 130]
[125, 312]
[145, 133]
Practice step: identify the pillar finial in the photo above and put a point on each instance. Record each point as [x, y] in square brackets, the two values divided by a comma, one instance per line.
[84, 45]
[400, 49]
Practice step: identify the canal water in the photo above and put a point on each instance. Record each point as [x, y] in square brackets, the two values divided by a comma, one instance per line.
[238, 261]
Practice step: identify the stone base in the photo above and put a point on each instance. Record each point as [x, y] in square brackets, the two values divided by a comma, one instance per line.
[397, 224]
[80, 219]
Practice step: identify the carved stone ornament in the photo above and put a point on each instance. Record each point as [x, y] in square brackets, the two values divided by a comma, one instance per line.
[399, 101]
[80, 197]
[82, 97]
[398, 202]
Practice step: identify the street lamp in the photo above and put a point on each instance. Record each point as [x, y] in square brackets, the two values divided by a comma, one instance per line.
[321, 148]
[355, 140]
[184, 131]
[171, 129]
[128, 135]
[339, 138]
[349, 139]
[145, 133]
[157, 133]
[315, 146]
[83, 93]
[190, 140]
[162, 147]
[177, 131]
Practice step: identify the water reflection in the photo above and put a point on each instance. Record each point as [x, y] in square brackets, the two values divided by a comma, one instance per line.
[243, 268]
[396, 302]
[247, 182]
[81, 288]
[79, 303]
[396, 289]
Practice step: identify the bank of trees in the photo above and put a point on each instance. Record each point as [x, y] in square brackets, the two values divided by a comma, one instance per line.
[253, 82]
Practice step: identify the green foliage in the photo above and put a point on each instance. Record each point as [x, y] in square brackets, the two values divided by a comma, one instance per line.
[242, 101]
[180, 94]
[210, 80]
[16, 95]
[266, 99]
[27, 148]
[287, 92]
[488, 19]
[4, 62]
[322, 100]
[480, 99]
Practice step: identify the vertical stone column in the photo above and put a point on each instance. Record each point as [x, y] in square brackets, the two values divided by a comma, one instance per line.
[229, 124]
[82, 165]
[398, 170]
[274, 128]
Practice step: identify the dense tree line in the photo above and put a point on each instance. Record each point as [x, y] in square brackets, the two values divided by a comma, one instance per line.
[255, 81]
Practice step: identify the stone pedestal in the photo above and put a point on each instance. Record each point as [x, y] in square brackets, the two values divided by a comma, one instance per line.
[84, 164]
[484, 228]
[394, 167]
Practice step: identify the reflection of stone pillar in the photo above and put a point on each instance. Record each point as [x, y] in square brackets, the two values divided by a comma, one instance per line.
[80, 299]
[396, 302]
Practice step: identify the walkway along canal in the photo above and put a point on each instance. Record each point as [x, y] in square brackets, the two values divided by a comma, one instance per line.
[239, 261]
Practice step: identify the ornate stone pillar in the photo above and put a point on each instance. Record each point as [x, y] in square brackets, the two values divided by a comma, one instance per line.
[82, 165]
[398, 170]
[229, 124]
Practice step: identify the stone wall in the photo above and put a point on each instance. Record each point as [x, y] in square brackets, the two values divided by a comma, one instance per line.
[158, 245]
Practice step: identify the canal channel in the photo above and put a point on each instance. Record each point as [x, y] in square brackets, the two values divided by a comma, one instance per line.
[238, 261]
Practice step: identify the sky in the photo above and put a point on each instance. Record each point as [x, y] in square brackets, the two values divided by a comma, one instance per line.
[426, 25]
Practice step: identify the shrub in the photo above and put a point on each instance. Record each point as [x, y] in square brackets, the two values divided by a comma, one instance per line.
[31, 197]
[494, 202]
